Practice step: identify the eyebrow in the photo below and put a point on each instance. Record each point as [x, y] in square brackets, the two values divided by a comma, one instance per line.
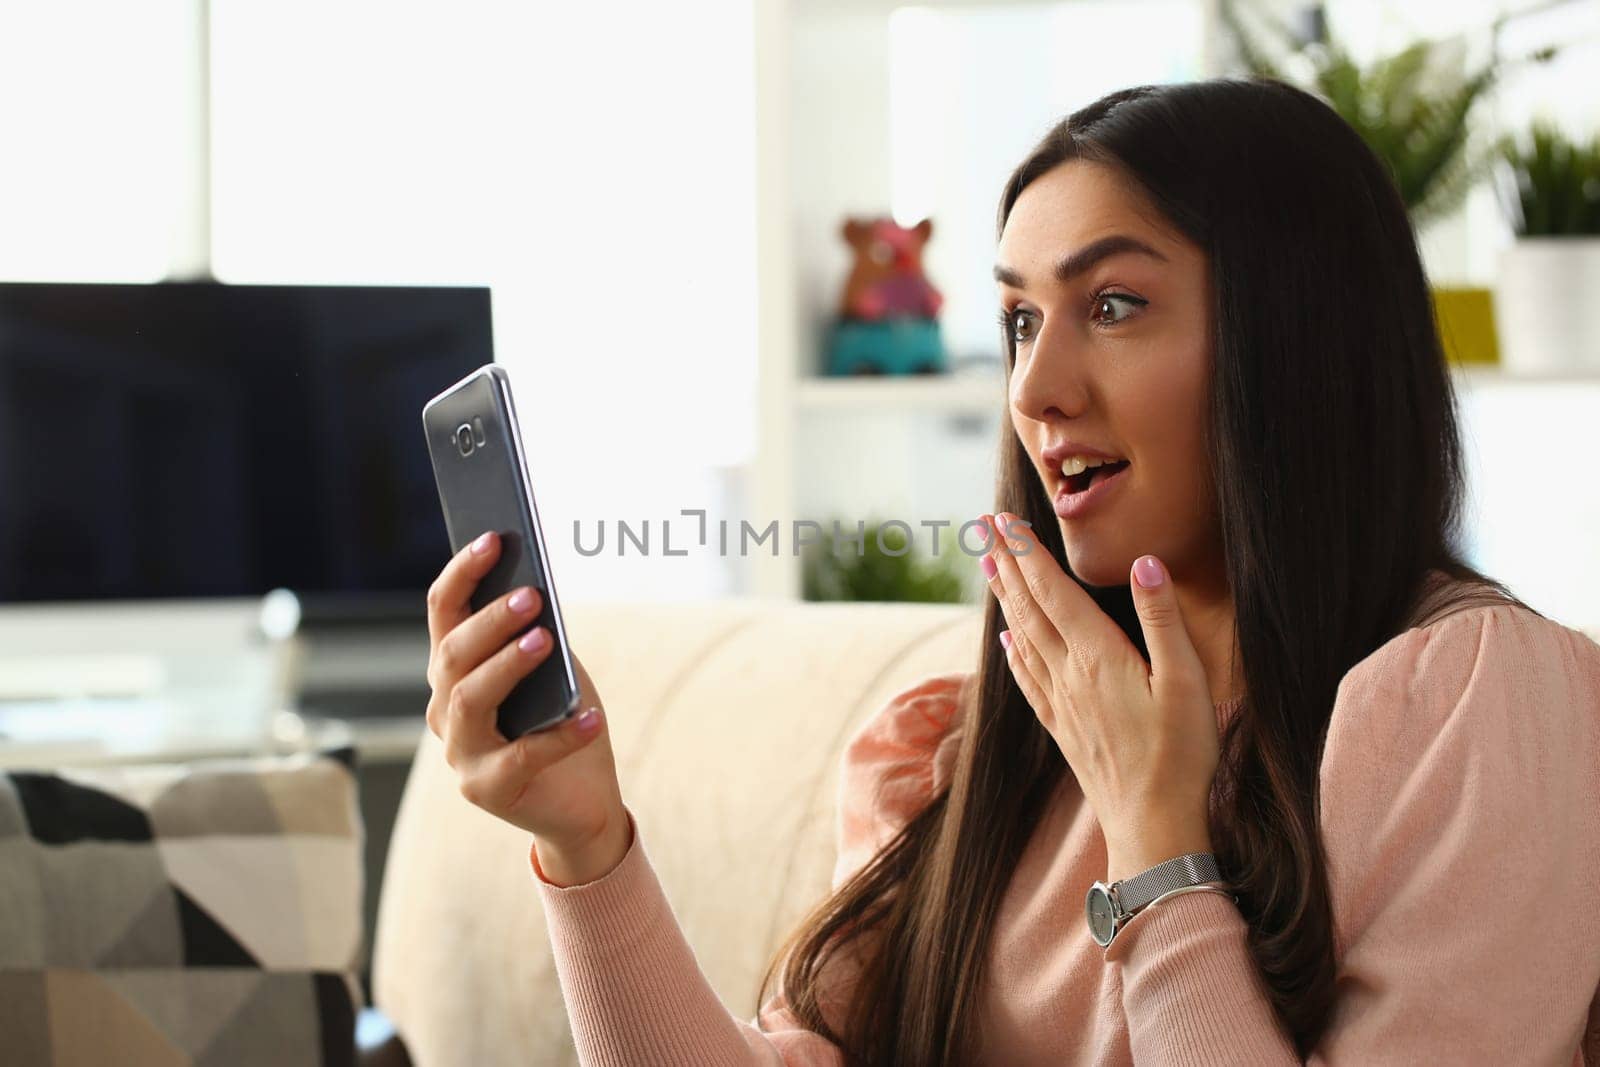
[1076, 263]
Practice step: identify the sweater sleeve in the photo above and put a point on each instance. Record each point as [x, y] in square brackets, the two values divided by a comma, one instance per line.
[635, 992]
[1459, 806]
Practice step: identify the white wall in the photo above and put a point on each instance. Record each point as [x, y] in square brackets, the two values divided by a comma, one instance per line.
[1534, 508]
[94, 125]
[973, 89]
[593, 163]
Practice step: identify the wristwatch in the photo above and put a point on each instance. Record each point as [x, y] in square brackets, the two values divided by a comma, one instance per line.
[1109, 907]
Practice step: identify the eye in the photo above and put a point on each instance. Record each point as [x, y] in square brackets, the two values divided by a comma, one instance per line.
[1012, 322]
[1102, 301]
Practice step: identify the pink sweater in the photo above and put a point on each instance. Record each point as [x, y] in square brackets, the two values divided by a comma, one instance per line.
[1461, 816]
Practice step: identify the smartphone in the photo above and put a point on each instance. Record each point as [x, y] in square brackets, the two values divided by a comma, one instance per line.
[482, 475]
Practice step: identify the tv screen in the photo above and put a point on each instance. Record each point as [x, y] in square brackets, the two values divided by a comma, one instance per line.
[210, 440]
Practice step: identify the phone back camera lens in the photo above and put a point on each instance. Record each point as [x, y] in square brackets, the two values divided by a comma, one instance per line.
[464, 439]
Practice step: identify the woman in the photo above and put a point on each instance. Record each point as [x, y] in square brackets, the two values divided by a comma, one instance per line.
[1228, 635]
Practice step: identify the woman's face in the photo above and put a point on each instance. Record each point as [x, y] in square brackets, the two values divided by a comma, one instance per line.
[1110, 312]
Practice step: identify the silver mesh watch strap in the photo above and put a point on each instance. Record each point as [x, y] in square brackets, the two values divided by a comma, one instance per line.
[1191, 869]
[1204, 887]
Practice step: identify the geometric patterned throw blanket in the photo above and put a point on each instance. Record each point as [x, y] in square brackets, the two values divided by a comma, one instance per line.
[159, 915]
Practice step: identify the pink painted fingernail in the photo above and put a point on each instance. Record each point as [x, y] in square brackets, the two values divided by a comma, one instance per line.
[1005, 640]
[534, 640]
[481, 545]
[989, 569]
[588, 721]
[520, 601]
[1147, 571]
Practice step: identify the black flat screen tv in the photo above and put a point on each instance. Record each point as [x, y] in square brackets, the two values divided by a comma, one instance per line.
[204, 440]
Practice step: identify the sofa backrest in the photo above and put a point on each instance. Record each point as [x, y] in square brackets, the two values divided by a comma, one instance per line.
[728, 719]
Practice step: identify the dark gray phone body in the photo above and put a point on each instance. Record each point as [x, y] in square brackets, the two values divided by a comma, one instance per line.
[482, 475]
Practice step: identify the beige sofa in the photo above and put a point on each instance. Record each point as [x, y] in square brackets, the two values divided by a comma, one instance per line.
[728, 720]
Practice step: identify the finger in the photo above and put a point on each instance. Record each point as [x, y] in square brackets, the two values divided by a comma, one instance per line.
[497, 780]
[1026, 669]
[1067, 603]
[1033, 679]
[1025, 615]
[435, 717]
[471, 728]
[1172, 652]
[450, 595]
[482, 634]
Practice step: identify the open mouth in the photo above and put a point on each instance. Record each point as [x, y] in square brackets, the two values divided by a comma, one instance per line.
[1081, 481]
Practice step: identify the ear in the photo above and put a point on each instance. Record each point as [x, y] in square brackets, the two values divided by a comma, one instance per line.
[924, 229]
[854, 231]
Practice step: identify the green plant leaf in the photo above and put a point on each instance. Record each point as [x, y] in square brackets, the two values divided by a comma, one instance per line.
[840, 569]
[1413, 108]
[1557, 183]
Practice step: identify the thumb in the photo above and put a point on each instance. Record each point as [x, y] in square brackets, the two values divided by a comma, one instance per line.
[497, 780]
[1172, 652]
[533, 752]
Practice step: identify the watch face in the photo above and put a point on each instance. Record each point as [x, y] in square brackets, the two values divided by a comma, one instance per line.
[1102, 921]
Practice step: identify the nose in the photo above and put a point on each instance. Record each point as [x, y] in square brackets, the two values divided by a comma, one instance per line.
[1049, 382]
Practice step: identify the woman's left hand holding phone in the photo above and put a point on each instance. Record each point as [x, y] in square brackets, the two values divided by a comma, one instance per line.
[559, 784]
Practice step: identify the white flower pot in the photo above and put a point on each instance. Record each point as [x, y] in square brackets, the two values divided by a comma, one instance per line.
[1547, 305]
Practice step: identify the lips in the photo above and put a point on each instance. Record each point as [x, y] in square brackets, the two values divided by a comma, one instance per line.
[1078, 483]
[1079, 494]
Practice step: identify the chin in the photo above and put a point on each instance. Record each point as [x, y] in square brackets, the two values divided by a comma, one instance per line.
[1094, 565]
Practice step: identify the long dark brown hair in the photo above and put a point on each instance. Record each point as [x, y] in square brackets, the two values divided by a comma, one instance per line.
[1338, 476]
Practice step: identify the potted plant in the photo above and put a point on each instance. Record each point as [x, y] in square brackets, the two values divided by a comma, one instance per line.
[883, 565]
[1545, 299]
[1415, 108]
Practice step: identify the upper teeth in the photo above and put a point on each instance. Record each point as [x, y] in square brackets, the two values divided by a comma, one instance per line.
[1078, 464]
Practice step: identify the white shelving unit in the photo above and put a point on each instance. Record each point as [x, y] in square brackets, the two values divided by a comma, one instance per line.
[952, 394]
[1489, 376]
